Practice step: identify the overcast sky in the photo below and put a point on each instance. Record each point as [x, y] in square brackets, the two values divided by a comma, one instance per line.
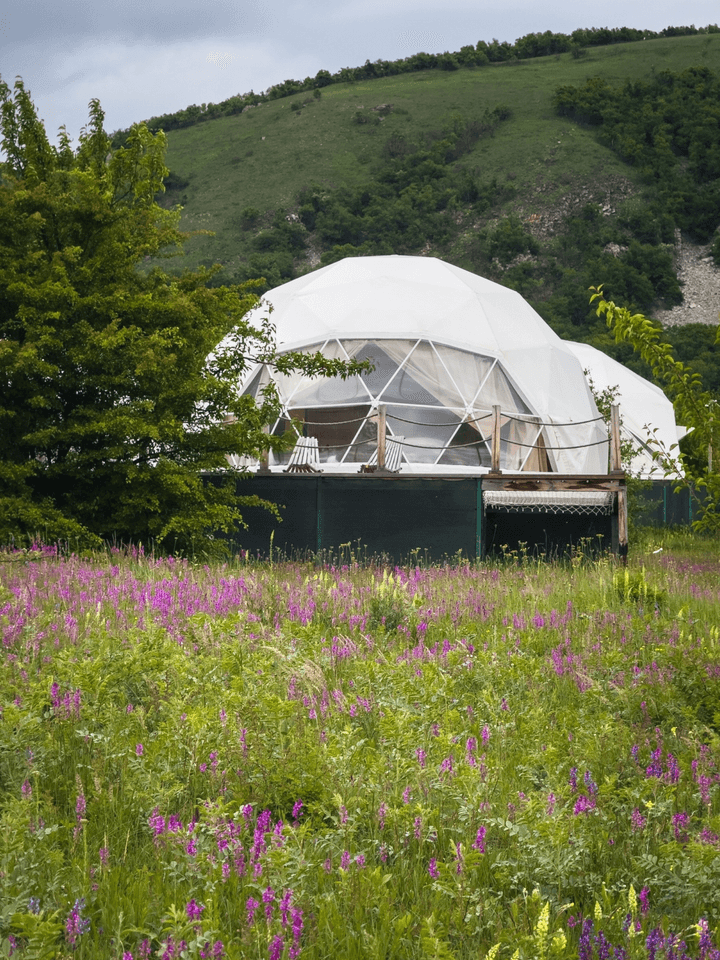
[141, 58]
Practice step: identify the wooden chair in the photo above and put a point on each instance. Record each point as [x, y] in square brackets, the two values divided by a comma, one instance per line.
[393, 455]
[305, 457]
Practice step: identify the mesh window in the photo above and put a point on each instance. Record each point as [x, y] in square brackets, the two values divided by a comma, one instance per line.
[467, 370]
[459, 454]
[335, 429]
[497, 389]
[385, 360]
[512, 434]
[429, 432]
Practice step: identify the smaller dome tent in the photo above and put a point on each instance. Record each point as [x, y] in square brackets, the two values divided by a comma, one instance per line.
[648, 417]
[446, 346]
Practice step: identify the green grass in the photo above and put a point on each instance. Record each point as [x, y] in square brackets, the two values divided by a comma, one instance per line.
[488, 758]
[230, 166]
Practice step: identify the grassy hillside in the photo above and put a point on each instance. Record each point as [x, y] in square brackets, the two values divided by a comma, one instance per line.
[537, 201]
[263, 158]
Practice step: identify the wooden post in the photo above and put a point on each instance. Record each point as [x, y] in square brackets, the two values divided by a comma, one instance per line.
[495, 444]
[622, 523]
[615, 455]
[264, 461]
[382, 412]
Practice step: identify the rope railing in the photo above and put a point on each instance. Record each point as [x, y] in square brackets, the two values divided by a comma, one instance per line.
[422, 446]
[481, 442]
[422, 423]
[457, 446]
[323, 423]
[570, 423]
[391, 416]
[574, 446]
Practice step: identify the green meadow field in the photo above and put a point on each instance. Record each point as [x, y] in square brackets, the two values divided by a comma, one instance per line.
[286, 760]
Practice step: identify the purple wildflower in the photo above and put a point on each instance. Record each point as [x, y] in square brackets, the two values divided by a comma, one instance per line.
[139, 750]
[345, 860]
[638, 821]
[590, 783]
[644, 900]
[655, 768]
[268, 899]
[418, 828]
[194, 910]
[583, 804]
[277, 945]
[360, 861]
[433, 869]
[680, 822]
[602, 945]
[76, 925]
[479, 843]
[706, 946]
[654, 942]
[382, 810]
[672, 767]
[420, 754]
[709, 837]
[573, 779]
[251, 906]
[156, 822]
[297, 929]
[285, 907]
[447, 765]
[585, 947]
[297, 810]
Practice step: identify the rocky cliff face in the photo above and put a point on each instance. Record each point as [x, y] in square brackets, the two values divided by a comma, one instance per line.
[700, 280]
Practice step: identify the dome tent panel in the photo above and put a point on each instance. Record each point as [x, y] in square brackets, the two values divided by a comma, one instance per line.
[648, 415]
[445, 340]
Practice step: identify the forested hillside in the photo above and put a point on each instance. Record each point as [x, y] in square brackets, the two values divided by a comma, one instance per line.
[548, 173]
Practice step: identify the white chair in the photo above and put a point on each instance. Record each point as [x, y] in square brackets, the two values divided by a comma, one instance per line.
[393, 454]
[305, 457]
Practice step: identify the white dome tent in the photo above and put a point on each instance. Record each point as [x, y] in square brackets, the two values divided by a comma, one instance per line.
[648, 417]
[446, 346]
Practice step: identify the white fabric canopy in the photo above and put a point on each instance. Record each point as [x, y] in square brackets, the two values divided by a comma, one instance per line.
[421, 298]
[648, 417]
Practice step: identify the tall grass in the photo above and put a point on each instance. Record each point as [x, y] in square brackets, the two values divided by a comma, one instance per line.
[293, 760]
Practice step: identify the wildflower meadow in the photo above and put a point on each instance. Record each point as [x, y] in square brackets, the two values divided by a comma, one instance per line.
[301, 760]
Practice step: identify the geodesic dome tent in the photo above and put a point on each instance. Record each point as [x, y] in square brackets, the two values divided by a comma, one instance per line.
[446, 346]
[648, 417]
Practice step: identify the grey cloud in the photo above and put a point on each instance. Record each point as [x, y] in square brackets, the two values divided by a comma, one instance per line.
[162, 21]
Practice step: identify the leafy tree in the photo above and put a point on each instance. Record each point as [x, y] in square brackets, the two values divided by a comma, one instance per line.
[111, 410]
[695, 407]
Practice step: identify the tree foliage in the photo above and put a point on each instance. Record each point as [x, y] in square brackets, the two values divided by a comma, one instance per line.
[667, 127]
[695, 407]
[110, 409]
